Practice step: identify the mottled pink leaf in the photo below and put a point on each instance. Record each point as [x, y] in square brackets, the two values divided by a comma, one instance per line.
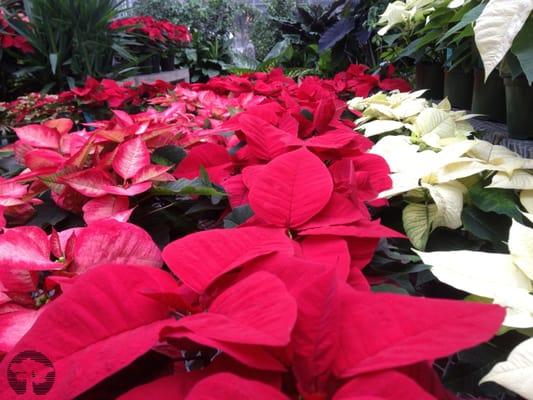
[131, 157]
[110, 241]
[90, 182]
[62, 125]
[43, 159]
[131, 190]
[13, 326]
[39, 136]
[101, 325]
[106, 207]
[152, 173]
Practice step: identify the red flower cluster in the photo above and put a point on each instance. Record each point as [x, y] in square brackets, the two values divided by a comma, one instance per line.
[9, 38]
[276, 308]
[156, 30]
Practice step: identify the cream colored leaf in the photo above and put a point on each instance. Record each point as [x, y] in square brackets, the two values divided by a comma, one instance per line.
[445, 105]
[496, 28]
[519, 306]
[448, 198]
[519, 179]
[458, 3]
[521, 247]
[417, 222]
[498, 156]
[516, 372]
[461, 168]
[479, 273]
[401, 182]
[435, 121]
[400, 153]
[377, 127]
[409, 108]
[526, 198]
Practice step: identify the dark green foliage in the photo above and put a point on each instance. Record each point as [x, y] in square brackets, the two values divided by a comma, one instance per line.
[72, 41]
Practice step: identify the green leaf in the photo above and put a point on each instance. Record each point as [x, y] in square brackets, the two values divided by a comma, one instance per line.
[187, 187]
[335, 33]
[499, 201]
[238, 216]
[417, 223]
[469, 18]
[486, 226]
[523, 49]
[170, 155]
[387, 288]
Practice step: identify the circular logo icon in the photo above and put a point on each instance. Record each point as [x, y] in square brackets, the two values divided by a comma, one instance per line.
[31, 371]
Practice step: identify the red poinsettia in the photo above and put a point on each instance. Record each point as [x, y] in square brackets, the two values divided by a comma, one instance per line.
[276, 308]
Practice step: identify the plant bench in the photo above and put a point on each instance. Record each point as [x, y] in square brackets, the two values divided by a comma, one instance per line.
[178, 75]
[497, 133]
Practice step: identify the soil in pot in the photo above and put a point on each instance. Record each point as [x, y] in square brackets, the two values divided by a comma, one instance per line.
[519, 100]
[489, 97]
[431, 77]
[458, 88]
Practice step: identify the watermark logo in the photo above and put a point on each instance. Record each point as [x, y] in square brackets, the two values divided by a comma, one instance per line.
[32, 372]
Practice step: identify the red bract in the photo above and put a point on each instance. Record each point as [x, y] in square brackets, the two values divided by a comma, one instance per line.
[220, 251]
[275, 308]
[157, 30]
[291, 189]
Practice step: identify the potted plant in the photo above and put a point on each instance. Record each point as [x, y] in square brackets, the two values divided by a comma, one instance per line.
[503, 33]
[462, 63]
[488, 97]
[410, 38]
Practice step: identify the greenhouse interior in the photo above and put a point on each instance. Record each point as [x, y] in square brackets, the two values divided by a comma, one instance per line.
[266, 199]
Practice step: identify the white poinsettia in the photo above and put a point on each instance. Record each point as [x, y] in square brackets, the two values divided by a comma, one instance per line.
[458, 3]
[436, 125]
[504, 278]
[518, 179]
[496, 28]
[429, 151]
[516, 372]
[406, 14]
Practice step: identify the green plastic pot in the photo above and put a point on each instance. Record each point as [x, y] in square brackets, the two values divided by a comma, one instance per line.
[489, 97]
[458, 88]
[431, 77]
[519, 100]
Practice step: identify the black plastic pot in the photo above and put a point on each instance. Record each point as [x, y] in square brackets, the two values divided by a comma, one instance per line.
[489, 97]
[458, 88]
[430, 76]
[156, 63]
[167, 62]
[519, 100]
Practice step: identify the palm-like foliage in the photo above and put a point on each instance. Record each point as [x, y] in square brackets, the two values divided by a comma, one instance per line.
[72, 40]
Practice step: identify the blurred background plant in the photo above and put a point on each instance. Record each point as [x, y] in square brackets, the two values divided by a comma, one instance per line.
[71, 40]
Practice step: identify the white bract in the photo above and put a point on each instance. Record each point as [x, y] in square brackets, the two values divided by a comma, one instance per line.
[504, 278]
[430, 153]
[497, 27]
[406, 14]
[515, 373]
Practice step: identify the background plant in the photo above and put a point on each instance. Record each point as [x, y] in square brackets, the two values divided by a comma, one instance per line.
[72, 40]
